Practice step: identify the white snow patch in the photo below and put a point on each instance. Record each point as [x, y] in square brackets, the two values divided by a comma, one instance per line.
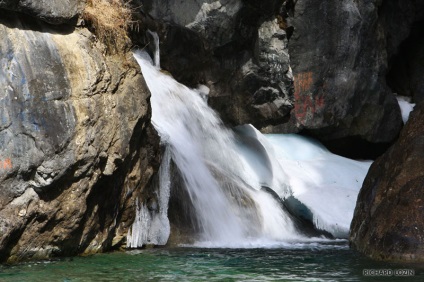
[406, 107]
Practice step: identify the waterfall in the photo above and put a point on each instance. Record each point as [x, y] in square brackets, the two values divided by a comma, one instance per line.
[156, 61]
[246, 189]
[221, 187]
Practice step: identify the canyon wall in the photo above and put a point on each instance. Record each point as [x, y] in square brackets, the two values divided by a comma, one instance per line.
[329, 69]
[77, 148]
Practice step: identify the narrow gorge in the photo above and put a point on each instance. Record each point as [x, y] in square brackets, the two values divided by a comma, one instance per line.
[211, 124]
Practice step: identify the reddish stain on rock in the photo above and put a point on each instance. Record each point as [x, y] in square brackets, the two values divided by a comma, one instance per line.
[305, 104]
[6, 164]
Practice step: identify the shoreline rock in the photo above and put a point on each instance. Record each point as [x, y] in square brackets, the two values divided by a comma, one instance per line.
[77, 148]
[387, 223]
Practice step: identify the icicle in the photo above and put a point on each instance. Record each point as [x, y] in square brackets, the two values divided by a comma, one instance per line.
[151, 226]
[156, 61]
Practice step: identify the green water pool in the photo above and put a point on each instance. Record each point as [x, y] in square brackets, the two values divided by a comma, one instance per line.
[306, 262]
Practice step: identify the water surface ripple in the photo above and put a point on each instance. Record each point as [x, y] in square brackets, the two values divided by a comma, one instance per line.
[331, 261]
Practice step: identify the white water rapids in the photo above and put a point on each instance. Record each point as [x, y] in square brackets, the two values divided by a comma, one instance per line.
[223, 173]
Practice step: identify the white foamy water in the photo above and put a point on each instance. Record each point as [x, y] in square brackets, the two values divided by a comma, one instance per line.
[323, 184]
[206, 155]
[224, 173]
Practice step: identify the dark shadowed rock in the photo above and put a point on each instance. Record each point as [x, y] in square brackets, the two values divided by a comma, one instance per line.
[398, 17]
[407, 59]
[51, 11]
[338, 55]
[76, 145]
[237, 48]
[387, 223]
[407, 66]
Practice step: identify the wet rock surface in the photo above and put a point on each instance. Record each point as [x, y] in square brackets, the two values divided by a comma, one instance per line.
[387, 224]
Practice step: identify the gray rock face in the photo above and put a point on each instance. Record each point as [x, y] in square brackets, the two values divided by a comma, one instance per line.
[387, 223]
[240, 53]
[271, 54]
[35, 104]
[213, 20]
[76, 145]
[51, 11]
[339, 52]
[178, 12]
[339, 59]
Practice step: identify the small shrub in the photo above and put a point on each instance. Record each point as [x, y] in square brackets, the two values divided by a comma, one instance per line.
[110, 20]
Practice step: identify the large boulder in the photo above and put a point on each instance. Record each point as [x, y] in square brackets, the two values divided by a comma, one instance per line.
[52, 11]
[76, 145]
[388, 219]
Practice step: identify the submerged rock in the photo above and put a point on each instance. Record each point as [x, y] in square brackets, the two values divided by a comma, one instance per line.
[76, 144]
[387, 224]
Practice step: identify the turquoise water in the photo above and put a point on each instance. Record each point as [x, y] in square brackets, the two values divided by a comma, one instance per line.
[331, 261]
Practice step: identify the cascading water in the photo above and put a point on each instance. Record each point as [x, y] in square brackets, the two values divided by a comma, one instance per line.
[156, 55]
[225, 173]
[206, 155]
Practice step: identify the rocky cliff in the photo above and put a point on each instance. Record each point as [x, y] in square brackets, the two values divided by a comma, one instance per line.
[76, 145]
[237, 48]
[339, 58]
[77, 150]
[288, 66]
